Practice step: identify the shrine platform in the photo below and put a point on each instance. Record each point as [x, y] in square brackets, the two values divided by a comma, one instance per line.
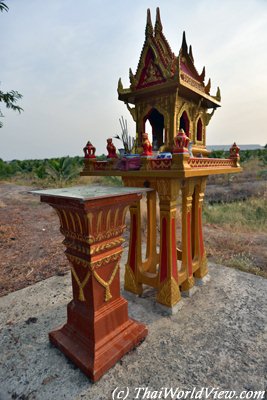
[215, 340]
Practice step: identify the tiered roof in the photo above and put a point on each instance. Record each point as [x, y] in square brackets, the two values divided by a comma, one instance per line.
[159, 68]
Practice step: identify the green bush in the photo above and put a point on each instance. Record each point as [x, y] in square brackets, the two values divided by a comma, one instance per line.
[219, 154]
[113, 180]
[8, 169]
[245, 155]
[60, 169]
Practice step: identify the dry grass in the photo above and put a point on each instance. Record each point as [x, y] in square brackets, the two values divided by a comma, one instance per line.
[243, 249]
[242, 215]
[235, 219]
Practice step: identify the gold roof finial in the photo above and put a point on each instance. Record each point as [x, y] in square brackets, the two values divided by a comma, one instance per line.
[158, 24]
[207, 87]
[191, 53]
[218, 94]
[120, 86]
[184, 44]
[149, 26]
[131, 76]
[203, 73]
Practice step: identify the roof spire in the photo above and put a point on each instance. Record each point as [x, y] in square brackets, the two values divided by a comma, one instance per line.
[191, 54]
[149, 26]
[184, 44]
[131, 76]
[218, 94]
[158, 24]
[120, 86]
[207, 87]
[202, 75]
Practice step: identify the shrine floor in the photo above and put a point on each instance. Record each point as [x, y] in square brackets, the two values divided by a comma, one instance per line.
[216, 340]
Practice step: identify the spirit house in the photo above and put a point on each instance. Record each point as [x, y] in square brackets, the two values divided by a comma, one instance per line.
[168, 93]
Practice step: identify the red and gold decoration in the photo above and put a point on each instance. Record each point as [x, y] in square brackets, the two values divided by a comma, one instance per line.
[181, 142]
[111, 149]
[234, 154]
[98, 331]
[89, 150]
[147, 146]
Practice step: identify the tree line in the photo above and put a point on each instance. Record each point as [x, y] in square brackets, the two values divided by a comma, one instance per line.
[64, 169]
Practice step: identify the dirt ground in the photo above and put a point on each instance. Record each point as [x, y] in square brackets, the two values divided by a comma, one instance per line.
[31, 245]
[30, 241]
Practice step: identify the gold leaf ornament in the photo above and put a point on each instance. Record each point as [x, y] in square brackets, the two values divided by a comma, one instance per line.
[107, 284]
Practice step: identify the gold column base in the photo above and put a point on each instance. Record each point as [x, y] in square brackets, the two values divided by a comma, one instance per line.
[188, 284]
[169, 293]
[203, 268]
[130, 283]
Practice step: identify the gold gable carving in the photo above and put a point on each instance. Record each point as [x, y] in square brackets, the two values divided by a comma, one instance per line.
[152, 73]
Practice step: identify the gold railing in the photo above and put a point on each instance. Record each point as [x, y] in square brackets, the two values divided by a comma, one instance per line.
[195, 162]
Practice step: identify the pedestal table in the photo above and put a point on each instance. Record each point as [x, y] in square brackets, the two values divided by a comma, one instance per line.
[98, 331]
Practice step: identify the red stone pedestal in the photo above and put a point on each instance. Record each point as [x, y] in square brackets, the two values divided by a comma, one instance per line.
[94, 356]
[98, 331]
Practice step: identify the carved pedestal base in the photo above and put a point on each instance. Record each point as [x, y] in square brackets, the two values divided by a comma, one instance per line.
[119, 335]
[98, 331]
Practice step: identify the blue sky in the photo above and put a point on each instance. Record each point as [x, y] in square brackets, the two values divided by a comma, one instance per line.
[66, 57]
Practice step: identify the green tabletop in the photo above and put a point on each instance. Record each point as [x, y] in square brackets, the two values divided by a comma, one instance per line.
[89, 192]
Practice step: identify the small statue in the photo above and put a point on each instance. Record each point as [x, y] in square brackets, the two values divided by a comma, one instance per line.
[181, 142]
[147, 146]
[234, 151]
[89, 150]
[111, 149]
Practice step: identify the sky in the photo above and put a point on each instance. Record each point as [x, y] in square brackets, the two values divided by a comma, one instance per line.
[66, 57]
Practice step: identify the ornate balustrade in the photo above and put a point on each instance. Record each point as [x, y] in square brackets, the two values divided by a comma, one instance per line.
[160, 164]
[195, 162]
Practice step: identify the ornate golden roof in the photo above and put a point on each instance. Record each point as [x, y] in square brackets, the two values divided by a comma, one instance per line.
[159, 68]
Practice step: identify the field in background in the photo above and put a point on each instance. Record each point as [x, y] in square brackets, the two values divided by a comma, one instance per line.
[235, 217]
[65, 170]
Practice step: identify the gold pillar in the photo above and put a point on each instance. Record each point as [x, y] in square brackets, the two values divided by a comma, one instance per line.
[151, 261]
[168, 287]
[200, 252]
[187, 264]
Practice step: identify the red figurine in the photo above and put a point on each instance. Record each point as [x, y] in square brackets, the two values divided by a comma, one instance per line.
[147, 146]
[181, 142]
[89, 150]
[234, 151]
[111, 149]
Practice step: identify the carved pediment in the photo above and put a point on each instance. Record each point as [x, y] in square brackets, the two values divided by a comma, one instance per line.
[150, 75]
